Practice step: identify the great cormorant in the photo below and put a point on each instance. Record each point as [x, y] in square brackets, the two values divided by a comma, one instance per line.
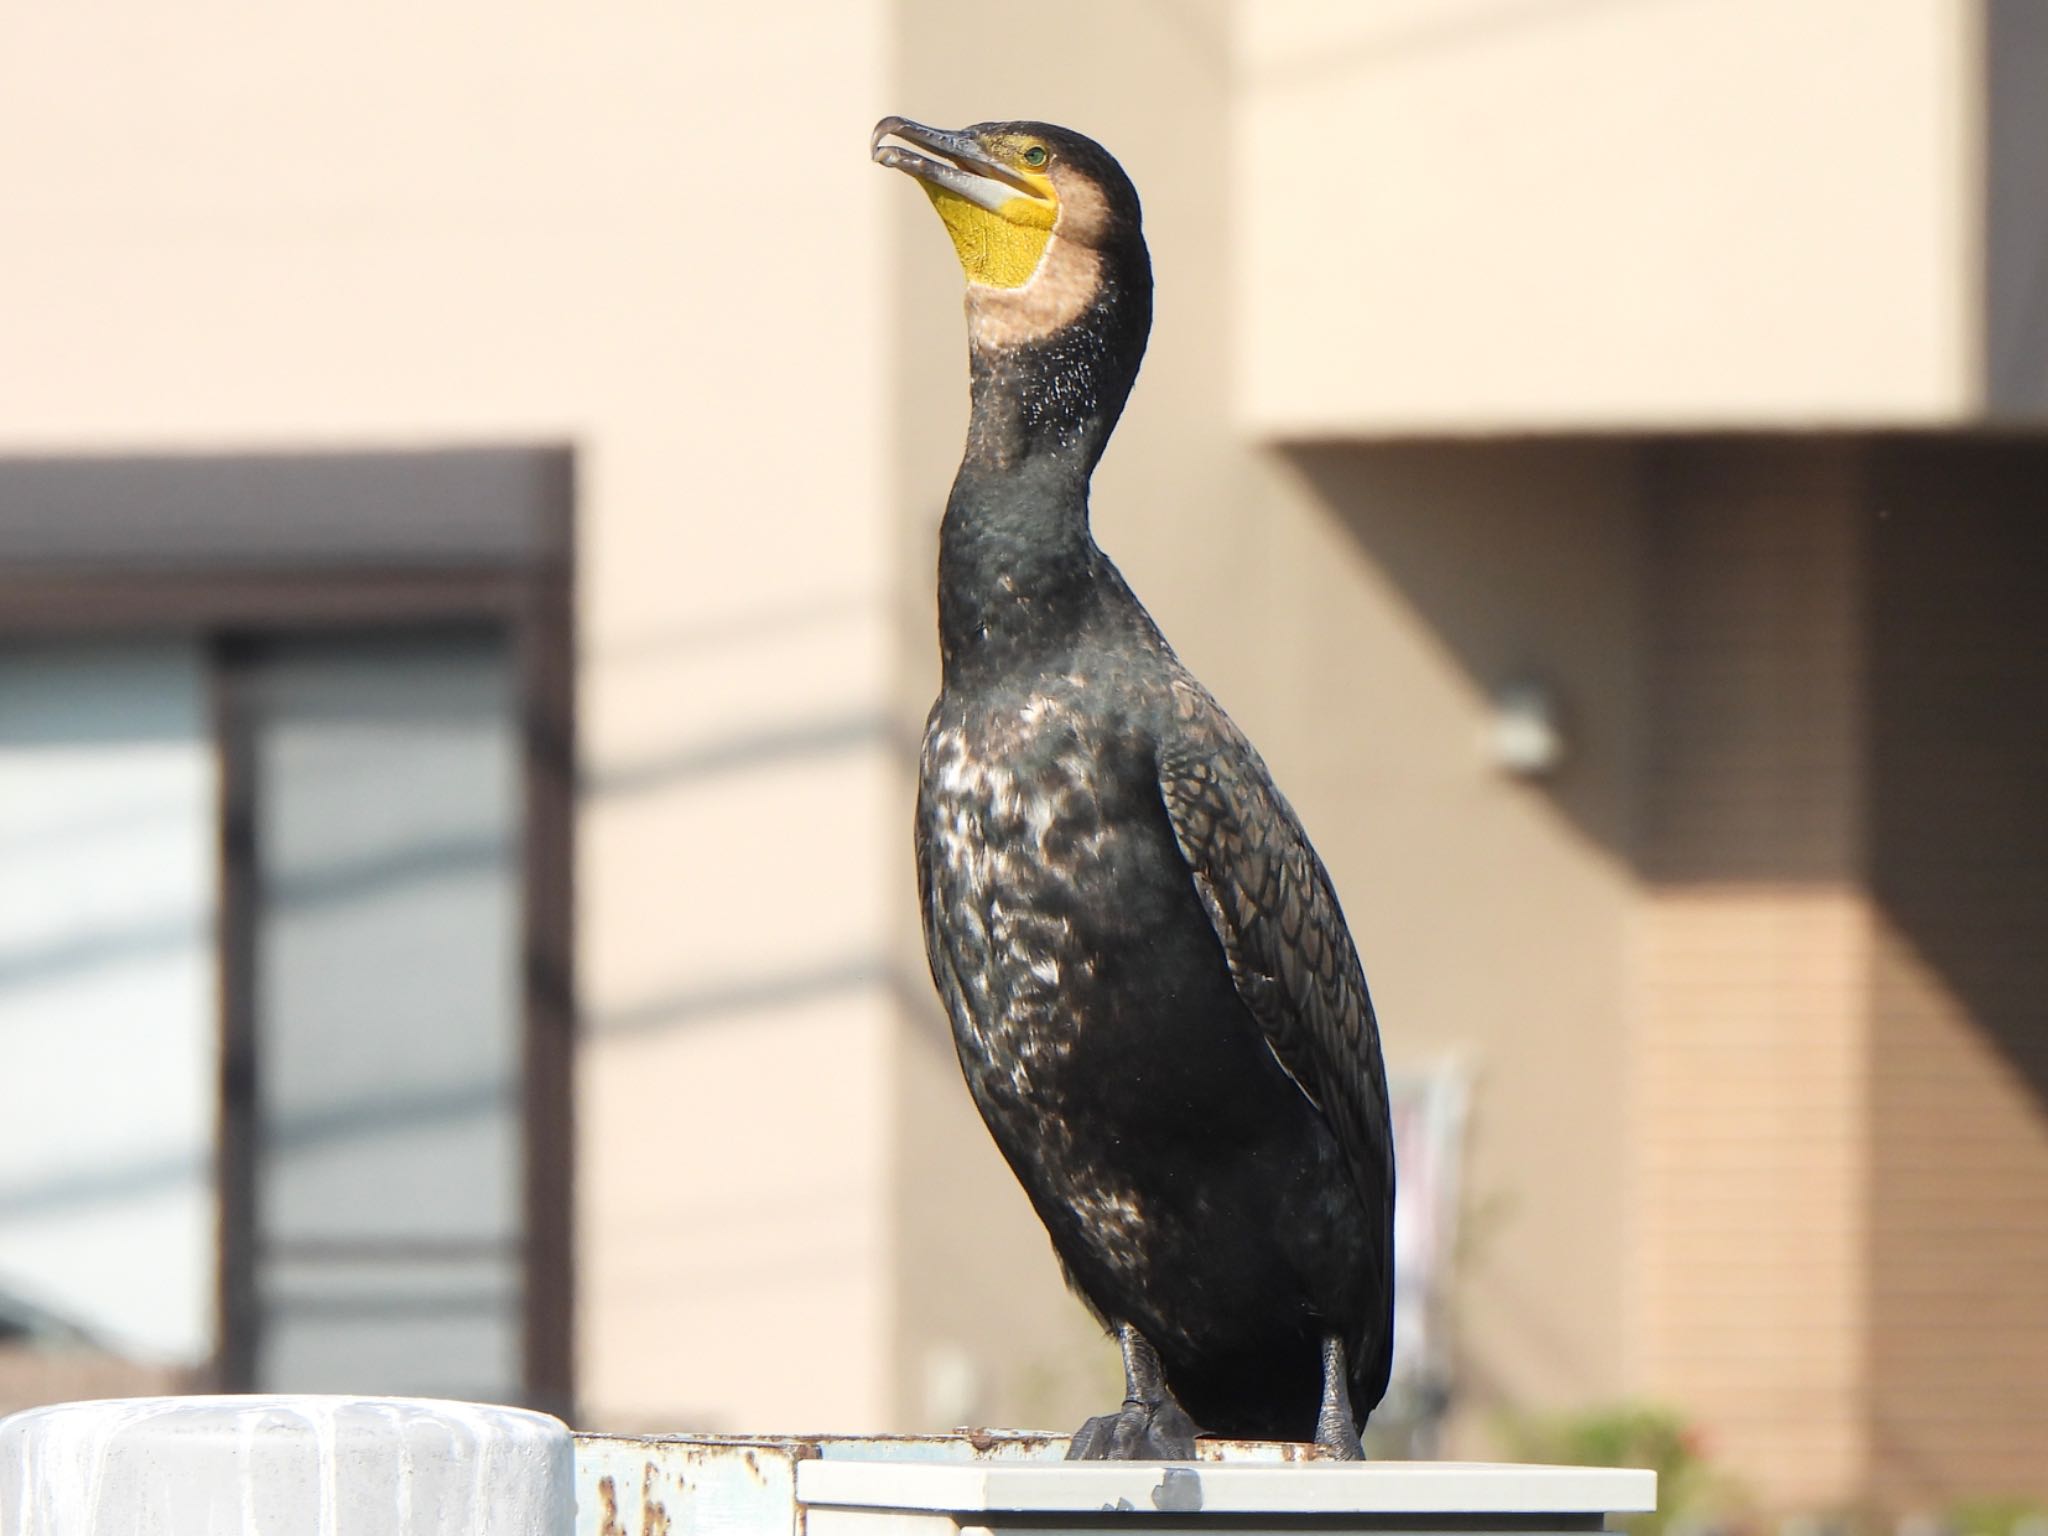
[1154, 997]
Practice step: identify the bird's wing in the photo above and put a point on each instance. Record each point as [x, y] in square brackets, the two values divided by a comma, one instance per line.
[1283, 933]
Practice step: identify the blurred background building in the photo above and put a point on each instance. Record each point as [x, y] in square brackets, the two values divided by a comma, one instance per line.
[1594, 446]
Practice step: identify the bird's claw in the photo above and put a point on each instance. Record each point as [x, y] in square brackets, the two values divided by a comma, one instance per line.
[1159, 1431]
[1340, 1442]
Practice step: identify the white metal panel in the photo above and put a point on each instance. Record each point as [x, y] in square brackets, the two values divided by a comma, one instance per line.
[968, 1481]
[1311, 1488]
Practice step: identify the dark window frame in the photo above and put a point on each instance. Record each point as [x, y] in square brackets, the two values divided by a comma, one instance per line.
[235, 548]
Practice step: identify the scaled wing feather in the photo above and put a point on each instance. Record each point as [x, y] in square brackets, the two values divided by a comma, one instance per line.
[1283, 934]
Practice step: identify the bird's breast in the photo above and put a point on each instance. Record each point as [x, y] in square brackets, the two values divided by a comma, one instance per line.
[1091, 1003]
[1028, 824]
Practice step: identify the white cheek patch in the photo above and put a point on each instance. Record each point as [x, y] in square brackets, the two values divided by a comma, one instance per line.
[1084, 211]
[1058, 292]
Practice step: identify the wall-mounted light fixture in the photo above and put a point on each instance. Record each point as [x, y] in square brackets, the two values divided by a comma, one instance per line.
[1523, 737]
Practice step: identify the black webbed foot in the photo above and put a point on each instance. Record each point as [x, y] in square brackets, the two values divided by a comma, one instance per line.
[1340, 1442]
[1150, 1426]
[1137, 1432]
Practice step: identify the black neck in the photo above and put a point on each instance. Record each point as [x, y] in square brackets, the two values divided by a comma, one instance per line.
[1017, 564]
[1018, 568]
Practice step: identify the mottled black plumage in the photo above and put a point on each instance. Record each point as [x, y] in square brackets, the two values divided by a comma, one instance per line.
[1156, 1002]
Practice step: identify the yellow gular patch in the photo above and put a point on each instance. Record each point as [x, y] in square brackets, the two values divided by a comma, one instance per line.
[998, 248]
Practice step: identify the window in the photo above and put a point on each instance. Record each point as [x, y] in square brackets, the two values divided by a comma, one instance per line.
[284, 985]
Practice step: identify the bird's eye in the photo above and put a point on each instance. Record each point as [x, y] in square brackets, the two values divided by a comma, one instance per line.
[1035, 156]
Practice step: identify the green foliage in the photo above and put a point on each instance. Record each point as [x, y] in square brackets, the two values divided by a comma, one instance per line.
[1690, 1492]
[1694, 1496]
[1995, 1517]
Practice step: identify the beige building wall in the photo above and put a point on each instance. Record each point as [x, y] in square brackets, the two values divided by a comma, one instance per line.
[650, 232]
[1463, 216]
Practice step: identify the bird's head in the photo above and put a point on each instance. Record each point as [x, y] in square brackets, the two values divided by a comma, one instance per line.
[1045, 222]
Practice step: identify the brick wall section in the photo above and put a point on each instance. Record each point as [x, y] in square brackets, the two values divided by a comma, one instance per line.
[1959, 819]
[1753, 1066]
